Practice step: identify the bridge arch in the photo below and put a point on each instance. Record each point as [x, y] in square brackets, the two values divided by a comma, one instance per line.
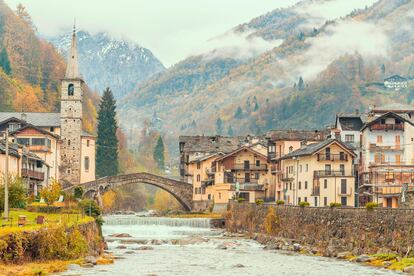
[181, 191]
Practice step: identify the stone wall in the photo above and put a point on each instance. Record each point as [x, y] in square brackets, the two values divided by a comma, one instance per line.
[330, 231]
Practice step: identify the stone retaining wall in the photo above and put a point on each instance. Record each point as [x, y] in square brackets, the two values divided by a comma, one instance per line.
[331, 230]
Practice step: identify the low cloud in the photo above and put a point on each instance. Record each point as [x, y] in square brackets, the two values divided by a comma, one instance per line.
[345, 37]
[236, 45]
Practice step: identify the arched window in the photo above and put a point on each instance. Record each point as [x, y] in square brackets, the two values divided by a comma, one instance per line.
[71, 89]
[290, 149]
[68, 142]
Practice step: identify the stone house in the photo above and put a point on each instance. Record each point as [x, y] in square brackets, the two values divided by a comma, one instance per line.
[319, 173]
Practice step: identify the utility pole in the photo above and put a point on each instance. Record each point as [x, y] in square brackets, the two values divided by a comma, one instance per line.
[6, 179]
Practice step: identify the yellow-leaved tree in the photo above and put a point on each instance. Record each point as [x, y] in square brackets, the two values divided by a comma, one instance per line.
[271, 221]
[51, 192]
[108, 201]
[163, 201]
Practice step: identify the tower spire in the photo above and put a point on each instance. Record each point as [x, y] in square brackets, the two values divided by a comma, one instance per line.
[72, 71]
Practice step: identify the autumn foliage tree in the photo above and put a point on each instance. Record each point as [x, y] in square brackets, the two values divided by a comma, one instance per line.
[163, 201]
[51, 192]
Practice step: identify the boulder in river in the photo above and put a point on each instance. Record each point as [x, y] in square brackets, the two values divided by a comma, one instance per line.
[90, 260]
[121, 247]
[145, 247]
[238, 265]
[193, 240]
[129, 252]
[121, 235]
[409, 270]
[364, 259]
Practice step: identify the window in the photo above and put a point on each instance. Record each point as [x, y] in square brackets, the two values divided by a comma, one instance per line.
[272, 148]
[290, 186]
[328, 169]
[87, 143]
[325, 201]
[219, 195]
[397, 159]
[71, 89]
[198, 165]
[306, 168]
[300, 168]
[342, 155]
[306, 199]
[350, 138]
[257, 163]
[343, 186]
[344, 201]
[299, 199]
[300, 185]
[257, 175]
[86, 163]
[13, 127]
[23, 141]
[379, 139]
[315, 201]
[68, 142]
[306, 185]
[198, 178]
[325, 183]
[52, 129]
[290, 149]
[342, 169]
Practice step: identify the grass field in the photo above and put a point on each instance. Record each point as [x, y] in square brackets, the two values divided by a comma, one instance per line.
[11, 226]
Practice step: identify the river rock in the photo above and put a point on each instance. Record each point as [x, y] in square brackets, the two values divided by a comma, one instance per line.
[221, 246]
[156, 242]
[90, 260]
[364, 259]
[87, 265]
[409, 270]
[193, 240]
[175, 242]
[145, 247]
[296, 247]
[386, 263]
[121, 247]
[238, 265]
[129, 252]
[121, 235]
[343, 255]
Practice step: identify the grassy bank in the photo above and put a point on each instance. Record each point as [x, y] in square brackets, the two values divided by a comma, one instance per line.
[11, 226]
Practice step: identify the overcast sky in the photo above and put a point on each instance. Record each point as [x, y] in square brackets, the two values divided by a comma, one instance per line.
[171, 29]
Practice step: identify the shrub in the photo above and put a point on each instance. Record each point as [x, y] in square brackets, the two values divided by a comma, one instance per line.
[90, 207]
[17, 193]
[304, 204]
[335, 204]
[386, 256]
[78, 192]
[259, 201]
[43, 209]
[271, 221]
[280, 202]
[241, 199]
[371, 205]
[77, 245]
[13, 247]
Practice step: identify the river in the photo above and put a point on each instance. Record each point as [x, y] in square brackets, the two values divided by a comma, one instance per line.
[190, 247]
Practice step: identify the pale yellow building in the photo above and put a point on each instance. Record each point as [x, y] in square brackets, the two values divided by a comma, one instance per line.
[320, 173]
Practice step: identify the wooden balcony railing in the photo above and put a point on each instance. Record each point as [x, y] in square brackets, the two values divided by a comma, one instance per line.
[387, 127]
[332, 157]
[241, 180]
[248, 187]
[249, 167]
[33, 174]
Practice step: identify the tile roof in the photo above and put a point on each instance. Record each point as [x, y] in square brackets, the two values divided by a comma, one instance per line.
[395, 78]
[297, 135]
[313, 148]
[39, 119]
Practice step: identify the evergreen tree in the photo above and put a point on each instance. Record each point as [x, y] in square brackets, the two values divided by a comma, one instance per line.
[383, 69]
[4, 61]
[248, 105]
[219, 126]
[255, 104]
[230, 131]
[301, 84]
[239, 113]
[159, 153]
[107, 142]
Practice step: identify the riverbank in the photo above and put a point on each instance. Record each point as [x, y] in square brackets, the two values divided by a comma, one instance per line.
[379, 237]
[50, 246]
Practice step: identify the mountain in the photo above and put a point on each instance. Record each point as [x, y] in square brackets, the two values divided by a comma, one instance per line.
[108, 62]
[31, 69]
[255, 73]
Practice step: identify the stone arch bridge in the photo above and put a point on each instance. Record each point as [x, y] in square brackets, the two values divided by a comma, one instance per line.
[182, 191]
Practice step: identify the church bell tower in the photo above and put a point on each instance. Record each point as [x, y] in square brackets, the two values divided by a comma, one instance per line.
[71, 119]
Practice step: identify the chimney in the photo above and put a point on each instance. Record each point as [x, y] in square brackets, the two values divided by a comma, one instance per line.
[23, 116]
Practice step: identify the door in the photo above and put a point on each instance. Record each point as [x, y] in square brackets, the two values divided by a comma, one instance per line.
[344, 201]
[246, 165]
[247, 178]
[397, 141]
[327, 169]
[342, 169]
[328, 153]
[389, 202]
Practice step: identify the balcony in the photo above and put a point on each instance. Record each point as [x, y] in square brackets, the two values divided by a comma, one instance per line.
[286, 178]
[33, 174]
[249, 167]
[387, 127]
[347, 192]
[323, 173]
[275, 169]
[241, 180]
[316, 191]
[211, 170]
[207, 182]
[38, 148]
[332, 157]
[376, 147]
[273, 155]
[248, 187]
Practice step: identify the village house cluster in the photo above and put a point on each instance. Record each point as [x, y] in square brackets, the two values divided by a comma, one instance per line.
[45, 146]
[363, 157]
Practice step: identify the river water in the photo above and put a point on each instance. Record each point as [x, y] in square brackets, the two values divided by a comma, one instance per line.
[190, 247]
